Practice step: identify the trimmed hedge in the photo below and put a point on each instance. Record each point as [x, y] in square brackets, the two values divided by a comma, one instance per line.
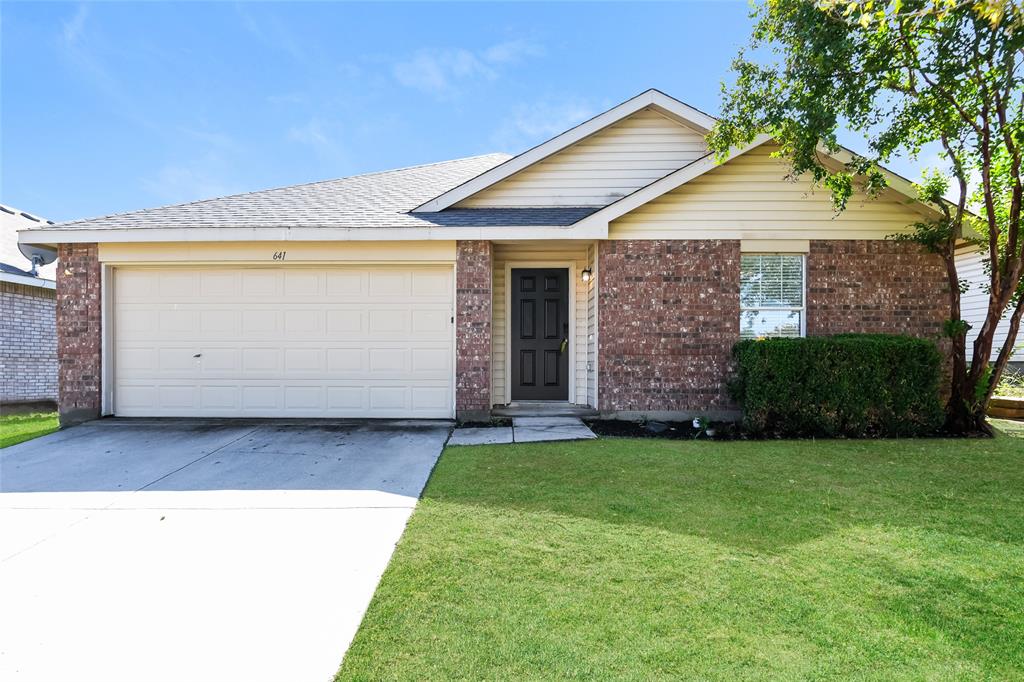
[850, 385]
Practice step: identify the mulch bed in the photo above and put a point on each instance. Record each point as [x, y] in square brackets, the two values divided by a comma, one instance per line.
[655, 429]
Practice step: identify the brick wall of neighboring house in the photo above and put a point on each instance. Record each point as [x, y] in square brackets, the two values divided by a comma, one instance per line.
[669, 316]
[473, 329]
[877, 286]
[28, 344]
[78, 333]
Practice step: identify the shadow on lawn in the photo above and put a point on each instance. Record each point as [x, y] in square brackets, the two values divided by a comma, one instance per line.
[760, 496]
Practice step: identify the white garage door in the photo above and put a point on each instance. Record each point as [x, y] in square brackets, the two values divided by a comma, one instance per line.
[283, 342]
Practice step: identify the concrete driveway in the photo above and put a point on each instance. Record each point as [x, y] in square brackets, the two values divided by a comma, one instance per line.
[200, 550]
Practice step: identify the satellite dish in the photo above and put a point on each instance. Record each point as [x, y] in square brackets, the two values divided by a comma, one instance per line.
[39, 255]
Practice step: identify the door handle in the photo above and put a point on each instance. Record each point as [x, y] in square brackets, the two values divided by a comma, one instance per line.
[564, 346]
[198, 355]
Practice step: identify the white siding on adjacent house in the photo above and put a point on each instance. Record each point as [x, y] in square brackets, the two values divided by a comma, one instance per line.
[750, 197]
[974, 302]
[523, 255]
[592, 327]
[601, 168]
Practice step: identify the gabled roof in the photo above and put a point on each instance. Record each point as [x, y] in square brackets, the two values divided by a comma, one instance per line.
[656, 99]
[416, 202]
[600, 219]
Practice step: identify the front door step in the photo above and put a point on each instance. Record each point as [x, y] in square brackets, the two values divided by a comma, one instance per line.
[543, 408]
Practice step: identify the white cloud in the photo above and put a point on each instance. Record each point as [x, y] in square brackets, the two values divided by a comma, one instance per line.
[72, 28]
[532, 124]
[312, 133]
[178, 184]
[512, 52]
[441, 71]
[206, 175]
[438, 71]
[318, 136]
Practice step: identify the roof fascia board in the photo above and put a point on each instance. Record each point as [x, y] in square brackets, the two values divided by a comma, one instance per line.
[694, 169]
[28, 281]
[685, 114]
[305, 234]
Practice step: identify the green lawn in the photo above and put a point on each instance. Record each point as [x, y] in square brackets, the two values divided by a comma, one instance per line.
[15, 428]
[648, 559]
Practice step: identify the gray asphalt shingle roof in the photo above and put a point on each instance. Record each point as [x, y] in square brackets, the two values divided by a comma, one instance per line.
[374, 200]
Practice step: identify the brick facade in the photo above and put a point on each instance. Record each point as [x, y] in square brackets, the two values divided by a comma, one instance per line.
[78, 333]
[876, 285]
[669, 312]
[669, 316]
[28, 339]
[473, 329]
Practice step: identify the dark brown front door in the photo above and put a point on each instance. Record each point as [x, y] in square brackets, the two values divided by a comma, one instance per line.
[540, 334]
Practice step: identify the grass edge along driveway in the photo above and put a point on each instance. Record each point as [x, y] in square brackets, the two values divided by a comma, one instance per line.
[647, 559]
[18, 428]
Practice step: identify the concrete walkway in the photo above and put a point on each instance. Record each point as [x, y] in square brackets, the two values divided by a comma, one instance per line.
[525, 430]
[191, 550]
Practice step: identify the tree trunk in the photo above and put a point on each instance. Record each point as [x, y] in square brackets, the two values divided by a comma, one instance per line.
[964, 415]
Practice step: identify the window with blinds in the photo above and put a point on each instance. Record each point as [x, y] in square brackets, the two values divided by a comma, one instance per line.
[771, 296]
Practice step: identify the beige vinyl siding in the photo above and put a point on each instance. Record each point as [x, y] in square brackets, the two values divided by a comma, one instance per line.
[750, 197]
[526, 254]
[974, 303]
[601, 168]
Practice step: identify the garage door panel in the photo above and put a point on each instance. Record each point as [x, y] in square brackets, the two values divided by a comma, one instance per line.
[342, 361]
[346, 398]
[178, 396]
[304, 360]
[261, 361]
[345, 283]
[284, 342]
[265, 284]
[261, 399]
[219, 284]
[436, 285]
[435, 322]
[303, 398]
[137, 323]
[389, 284]
[429, 397]
[306, 283]
[262, 323]
[219, 398]
[304, 324]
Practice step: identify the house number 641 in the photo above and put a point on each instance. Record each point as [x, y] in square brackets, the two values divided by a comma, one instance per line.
[279, 255]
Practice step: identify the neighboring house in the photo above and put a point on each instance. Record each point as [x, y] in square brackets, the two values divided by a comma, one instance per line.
[28, 337]
[970, 266]
[613, 266]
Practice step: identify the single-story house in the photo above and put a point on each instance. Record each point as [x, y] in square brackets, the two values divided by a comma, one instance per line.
[612, 267]
[28, 335]
[970, 266]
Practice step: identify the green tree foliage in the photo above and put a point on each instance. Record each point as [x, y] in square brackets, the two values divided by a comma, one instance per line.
[905, 74]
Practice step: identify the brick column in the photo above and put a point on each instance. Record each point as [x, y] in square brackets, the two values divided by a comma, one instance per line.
[669, 316]
[875, 286]
[79, 333]
[473, 330]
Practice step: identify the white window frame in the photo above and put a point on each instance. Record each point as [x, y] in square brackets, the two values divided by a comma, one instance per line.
[803, 298]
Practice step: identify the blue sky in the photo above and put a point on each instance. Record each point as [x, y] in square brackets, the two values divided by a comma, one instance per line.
[109, 107]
